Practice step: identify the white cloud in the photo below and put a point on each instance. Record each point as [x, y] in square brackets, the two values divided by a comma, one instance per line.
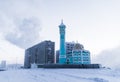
[110, 58]
[11, 53]
[6, 25]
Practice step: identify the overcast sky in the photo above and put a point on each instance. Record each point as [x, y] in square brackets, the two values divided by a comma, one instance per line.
[93, 23]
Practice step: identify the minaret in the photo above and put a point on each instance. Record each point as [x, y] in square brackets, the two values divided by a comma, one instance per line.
[62, 56]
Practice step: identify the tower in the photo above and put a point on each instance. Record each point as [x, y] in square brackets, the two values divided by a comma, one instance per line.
[62, 56]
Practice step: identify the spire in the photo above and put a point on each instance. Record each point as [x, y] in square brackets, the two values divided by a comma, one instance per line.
[62, 21]
[62, 25]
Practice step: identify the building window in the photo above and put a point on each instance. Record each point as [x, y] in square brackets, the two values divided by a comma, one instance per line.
[79, 54]
[79, 59]
[75, 59]
[85, 59]
[74, 54]
[74, 51]
[85, 54]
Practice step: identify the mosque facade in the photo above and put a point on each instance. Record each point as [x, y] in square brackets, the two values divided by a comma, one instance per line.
[78, 55]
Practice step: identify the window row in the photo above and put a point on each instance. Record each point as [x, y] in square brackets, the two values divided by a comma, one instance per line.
[80, 54]
[79, 59]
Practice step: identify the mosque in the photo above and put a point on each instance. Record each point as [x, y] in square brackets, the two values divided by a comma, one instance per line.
[75, 57]
[78, 55]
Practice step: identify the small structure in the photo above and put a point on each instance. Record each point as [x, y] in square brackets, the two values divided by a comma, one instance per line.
[33, 65]
[3, 66]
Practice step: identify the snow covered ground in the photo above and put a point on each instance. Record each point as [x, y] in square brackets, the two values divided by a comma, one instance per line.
[60, 75]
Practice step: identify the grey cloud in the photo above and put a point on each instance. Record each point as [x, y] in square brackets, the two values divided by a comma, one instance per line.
[26, 33]
[19, 22]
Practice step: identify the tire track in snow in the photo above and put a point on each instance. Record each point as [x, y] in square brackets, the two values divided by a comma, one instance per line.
[70, 77]
[36, 77]
[78, 77]
[43, 77]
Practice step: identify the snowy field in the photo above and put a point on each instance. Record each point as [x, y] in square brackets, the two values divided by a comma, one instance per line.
[60, 75]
